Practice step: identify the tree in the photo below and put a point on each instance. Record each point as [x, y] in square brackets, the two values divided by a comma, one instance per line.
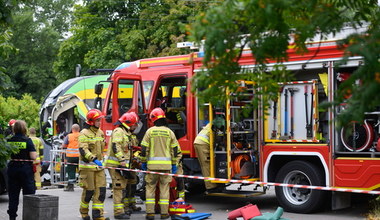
[38, 28]
[269, 25]
[108, 33]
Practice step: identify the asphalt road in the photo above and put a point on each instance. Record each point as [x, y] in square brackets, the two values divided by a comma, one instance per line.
[218, 206]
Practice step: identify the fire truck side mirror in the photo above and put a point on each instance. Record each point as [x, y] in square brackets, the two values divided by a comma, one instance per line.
[98, 89]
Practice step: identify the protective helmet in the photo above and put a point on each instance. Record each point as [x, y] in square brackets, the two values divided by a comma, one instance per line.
[11, 122]
[129, 119]
[156, 114]
[92, 115]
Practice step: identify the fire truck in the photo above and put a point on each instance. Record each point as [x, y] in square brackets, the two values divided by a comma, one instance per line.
[291, 142]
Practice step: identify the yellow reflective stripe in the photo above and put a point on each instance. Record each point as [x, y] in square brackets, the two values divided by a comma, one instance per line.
[144, 143]
[181, 194]
[150, 201]
[174, 145]
[86, 139]
[190, 210]
[84, 205]
[177, 209]
[97, 205]
[204, 139]
[159, 162]
[87, 166]
[160, 133]
[88, 155]
[113, 162]
[38, 184]
[119, 154]
[116, 140]
[163, 201]
[118, 206]
[20, 145]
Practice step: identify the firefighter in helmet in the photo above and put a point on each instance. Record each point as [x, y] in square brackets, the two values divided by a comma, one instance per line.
[119, 155]
[9, 131]
[91, 173]
[159, 153]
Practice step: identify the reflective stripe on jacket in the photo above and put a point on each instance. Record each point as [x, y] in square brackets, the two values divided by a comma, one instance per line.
[204, 135]
[160, 146]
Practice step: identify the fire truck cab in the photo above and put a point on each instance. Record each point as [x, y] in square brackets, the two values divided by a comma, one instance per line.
[291, 143]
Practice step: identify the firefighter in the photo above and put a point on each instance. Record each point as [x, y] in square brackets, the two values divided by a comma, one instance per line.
[159, 153]
[70, 143]
[91, 173]
[9, 131]
[129, 199]
[119, 156]
[202, 148]
[40, 156]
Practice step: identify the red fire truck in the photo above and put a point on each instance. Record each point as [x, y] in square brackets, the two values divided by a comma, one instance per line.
[292, 142]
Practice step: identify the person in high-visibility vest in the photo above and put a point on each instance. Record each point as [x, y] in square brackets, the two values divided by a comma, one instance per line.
[118, 155]
[91, 172]
[202, 148]
[40, 156]
[159, 153]
[71, 144]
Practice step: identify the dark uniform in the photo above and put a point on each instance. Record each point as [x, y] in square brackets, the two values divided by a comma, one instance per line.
[20, 173]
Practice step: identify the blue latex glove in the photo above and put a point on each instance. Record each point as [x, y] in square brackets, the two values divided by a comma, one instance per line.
[144, 166]
[98, 163]
[174, 168]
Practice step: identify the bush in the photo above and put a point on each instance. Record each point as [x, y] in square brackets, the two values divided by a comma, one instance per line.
[25, 109]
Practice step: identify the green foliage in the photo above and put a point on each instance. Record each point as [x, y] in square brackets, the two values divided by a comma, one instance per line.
[265, 26]
[38, 27]
[25, 109]
[5, 151]
[108, 33]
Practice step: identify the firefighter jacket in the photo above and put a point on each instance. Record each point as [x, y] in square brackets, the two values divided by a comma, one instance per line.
[118, 149]
[159, 148]
[39, 149]
[73, 145]
[204, 135]
[91, 145]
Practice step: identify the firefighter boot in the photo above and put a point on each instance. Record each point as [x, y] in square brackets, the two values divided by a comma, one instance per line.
[134, 208]
[86, 218]
[165, 216]
[69, 187]
[149, 216]
[122, 216]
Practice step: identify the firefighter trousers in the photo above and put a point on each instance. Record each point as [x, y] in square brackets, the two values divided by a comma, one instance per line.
[203, 152]
[118, 186]
[164, 186]
[130, 191]
[37, 176]
[94, 188]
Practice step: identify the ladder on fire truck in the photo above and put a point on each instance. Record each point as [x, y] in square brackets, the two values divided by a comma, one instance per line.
[234, 151]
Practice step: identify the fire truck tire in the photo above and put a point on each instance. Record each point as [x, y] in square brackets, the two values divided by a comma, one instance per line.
[297, 199]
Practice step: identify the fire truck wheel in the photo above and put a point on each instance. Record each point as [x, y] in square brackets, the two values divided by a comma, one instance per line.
[300, 200]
